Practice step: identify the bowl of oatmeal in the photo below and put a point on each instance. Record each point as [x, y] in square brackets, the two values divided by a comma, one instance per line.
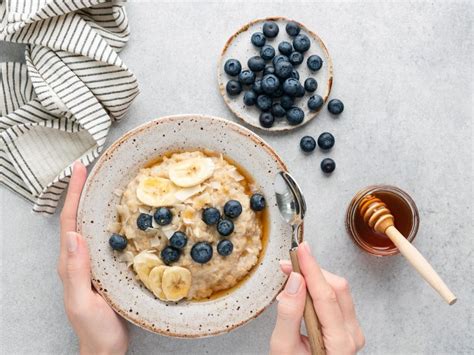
[182, 226]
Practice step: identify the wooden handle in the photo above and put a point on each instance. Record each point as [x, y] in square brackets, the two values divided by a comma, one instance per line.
[313, 326]
[420, 264]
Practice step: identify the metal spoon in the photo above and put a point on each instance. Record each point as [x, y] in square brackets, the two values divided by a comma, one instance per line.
[292, 206]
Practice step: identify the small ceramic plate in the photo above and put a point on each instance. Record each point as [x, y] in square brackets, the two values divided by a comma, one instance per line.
[117, 284]
[239, 47]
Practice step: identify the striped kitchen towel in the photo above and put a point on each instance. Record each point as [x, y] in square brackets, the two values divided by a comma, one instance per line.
[58, 107]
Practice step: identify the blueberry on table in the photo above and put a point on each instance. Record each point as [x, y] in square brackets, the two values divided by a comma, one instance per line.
[285, 48]
[300, 90]
[270, 29]
[225, 227]
[315, 102]
[295, 116]
[279, 92]
[117, 242]
[233, 87]
[264, 102]
[257, 86]
[328, 165]
[290, 87]
[232, 209]
[314, 62]
[307, 144]
[225, 247]
[258, 39]
[301, 43]
[335, 106]
[278, 110]
[169, 255]
[211, 215]
[163, 216]
[257, 202]
[283, 69]
[232, 67]
[266, 119]
[286, 102]
[256, 63]
[178, 240]
[326, 141]
[292, 28]
[144, 221]
[296, 58]
[310, 84]
[269, 69]
[279, 58]
[295, 75]
[247, 77]
[250, 98]
[201, 252]
[267, 52]
[270, 83]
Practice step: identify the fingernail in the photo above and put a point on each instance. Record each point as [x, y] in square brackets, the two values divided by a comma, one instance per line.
[306, 247]
[71, 241]
[293, 284]
[285, 263]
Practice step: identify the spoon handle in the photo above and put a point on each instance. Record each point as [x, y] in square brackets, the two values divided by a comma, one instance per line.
[313, 326]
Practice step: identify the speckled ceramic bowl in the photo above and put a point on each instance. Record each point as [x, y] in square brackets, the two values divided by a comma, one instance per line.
[119, 164]
[239, 47]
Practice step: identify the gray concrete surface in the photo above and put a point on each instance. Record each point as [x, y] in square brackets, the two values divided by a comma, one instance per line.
[404, 72]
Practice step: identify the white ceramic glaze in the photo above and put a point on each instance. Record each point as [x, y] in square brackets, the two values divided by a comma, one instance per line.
[119, 164]
[239, 47]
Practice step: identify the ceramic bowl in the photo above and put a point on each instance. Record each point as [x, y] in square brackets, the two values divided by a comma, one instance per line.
[117, 284]
[239, 47]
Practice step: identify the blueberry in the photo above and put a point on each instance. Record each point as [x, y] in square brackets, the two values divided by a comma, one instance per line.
[211, 216]
[178, 240]
[250, 98]
[257, 86]
[285, 48]
[169, 255]
[296, 58]
[278, 110]
[225, 247]
[307, 144]
[225, 227]
[292, 28]
[300, 90]
[256, 63]
[326, 141]
[283, 69]
[295, 74]
[264, 102]
[270, 29]
[328, 165]
[267, 52]
[257, 202]
[232, 209]
[117, 242]
[310, 84]
[144, 221]
[232, 67]
[315, 103]
[295, 116]
[278, 92]
[258, 39]
[290, 86]
[247, 77]
[286, 102]
[270, 84]
[266, 119]
[201, 252]
[335, 106]
[314, 62]
[163, 216]
[301, 43]
[279, 58]
[269, 69]
[233, 87]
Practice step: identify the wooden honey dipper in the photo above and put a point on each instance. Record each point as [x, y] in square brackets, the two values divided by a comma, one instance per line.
[376, 214]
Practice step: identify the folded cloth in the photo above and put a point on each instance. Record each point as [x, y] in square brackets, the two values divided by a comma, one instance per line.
[58, 107]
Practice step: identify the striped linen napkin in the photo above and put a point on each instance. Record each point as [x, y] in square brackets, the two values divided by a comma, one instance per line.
[58, 107]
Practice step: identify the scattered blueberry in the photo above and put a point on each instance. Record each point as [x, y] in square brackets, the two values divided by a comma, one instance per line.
[267, 52]
[270, 29]
[169, 255]
[328, 165]
[258, 39]
[295, 116]
[301, 43]
[279, 58]
[307, 144]
[118, 242]
[315, 103]
[310, 84]
[266, 119]
[295, 74]
[225, 227]
[286, 102]
[250, 98]
[326, 141]
[257, 86]
[201, 252]
[163, 216]
[247, 77]
[144, 221]
[296, 58]
[232, 209]
[211, 215]
[278, 92]
[300, 90]
[270, 84]
[269, 69]
[335, 106]
[314, 62]
[290, 86]
[285, 48]
[225, 247]
[292, 28]
[278, 110]
[283, 69]
[256, 63]
[178, 240]
[233, 87]
[257, 202]
[232, 67]
[264, 102]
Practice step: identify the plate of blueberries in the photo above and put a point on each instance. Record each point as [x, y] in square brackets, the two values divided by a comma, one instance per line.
[275, 74]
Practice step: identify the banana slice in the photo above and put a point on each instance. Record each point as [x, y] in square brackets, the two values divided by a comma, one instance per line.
[155, 281]
[156, 191]
[176, 282]
[191, 172]
[143, 263]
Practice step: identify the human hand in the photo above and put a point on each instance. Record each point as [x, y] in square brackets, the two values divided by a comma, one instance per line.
[99, 329]
[332, 302]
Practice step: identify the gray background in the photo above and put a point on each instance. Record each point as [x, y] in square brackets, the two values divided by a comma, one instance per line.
[404, 72]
